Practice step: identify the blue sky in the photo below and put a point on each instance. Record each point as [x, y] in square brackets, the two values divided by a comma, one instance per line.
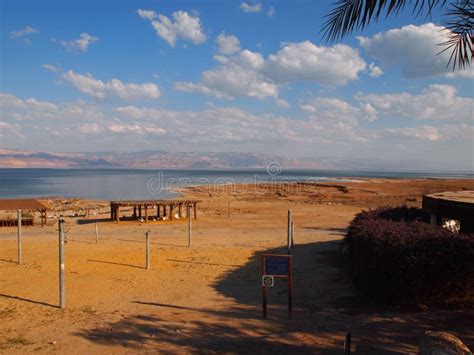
[229, 76]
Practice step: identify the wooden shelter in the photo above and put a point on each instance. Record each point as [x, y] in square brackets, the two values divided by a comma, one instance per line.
[458, 205]
[163, 209]
[23, 205]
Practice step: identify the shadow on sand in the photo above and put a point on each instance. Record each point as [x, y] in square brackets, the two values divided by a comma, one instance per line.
[113, 263]
[28, 300]
[324, 308]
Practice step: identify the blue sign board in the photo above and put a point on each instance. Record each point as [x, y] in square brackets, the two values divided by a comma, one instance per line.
[277, 266]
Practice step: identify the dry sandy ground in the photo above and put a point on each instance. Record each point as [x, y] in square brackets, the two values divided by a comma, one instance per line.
[206, 299]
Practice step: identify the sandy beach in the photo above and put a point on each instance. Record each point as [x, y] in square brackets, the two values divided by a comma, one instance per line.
[207, 298]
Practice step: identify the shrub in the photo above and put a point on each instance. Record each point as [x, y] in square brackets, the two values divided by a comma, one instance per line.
[395, 256]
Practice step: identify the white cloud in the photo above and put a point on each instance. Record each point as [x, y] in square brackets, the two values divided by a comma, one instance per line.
[90, 128]
[87, 84]
[374, 71]
[305, 61]
[461, 132]
[239, 76]
[51, 68]
[25, 31]
[18, 109]
[271, 11]
[257, 7]
[249, 74]
[414, 49]
[227, 44]
[334, 109]
[146, 14]
[436, 102]
[80, 44]
[182, 25]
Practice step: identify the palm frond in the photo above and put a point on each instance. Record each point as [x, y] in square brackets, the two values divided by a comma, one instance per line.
[460, 24]
[350, 15]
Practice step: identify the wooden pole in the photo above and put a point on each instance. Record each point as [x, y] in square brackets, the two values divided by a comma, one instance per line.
[290, 287]
[171, 212]
[189, 226]
[20, 251]
[289, 232]
[146, 214]
[147, 236]
[62, 291]
[96, 233]
[292, 233]
[264, 291]
[195, 210]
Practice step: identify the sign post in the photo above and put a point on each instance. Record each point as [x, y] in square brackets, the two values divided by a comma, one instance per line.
[276, 266]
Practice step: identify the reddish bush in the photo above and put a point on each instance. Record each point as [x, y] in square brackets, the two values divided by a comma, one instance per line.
[393, 256]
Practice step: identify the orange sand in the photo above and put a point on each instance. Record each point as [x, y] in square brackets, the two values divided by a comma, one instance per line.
[207, 298]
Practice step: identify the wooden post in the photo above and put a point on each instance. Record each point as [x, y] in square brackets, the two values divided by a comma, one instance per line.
[180, 214]
[164, 211]
[96, 233]
[20, 251]
[195, 210]
[264, 291]
[292, 233]
[134, 211]
[62, 291]
[189, 226]
[171, 212]
[290, 287]
[289, 232]
[117, 213]
[112, 210]
[147, 236]
[146, 214]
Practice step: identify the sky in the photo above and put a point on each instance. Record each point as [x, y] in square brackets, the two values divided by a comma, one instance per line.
[230, 76]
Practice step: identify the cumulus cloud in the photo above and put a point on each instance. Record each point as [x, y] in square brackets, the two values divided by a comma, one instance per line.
[87, 84]
[436, 102]
[239, 76]
[305, 61]
[227, 44]
[413, 49]
[374, 71]
[147, 14]
[252, 8]
[182, 25]
[80, 44]
[249, 74]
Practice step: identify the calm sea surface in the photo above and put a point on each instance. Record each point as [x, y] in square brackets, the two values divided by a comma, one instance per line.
[116, 184]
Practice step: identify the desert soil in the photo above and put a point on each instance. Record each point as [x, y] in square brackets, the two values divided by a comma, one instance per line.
[207, 298]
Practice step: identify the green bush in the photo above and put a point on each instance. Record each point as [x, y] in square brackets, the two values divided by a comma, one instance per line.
[395, 256]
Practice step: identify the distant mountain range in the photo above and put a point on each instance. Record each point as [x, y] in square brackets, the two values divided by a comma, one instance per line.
[10, 158]
[156, 159]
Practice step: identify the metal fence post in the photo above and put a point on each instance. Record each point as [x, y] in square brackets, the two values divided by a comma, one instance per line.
[147, 236]
[189, 226]
[20, 251]
[62, 291]
[289, 232]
